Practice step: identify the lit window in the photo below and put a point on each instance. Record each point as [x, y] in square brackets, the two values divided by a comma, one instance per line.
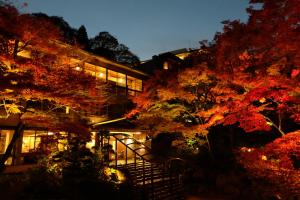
[134, 83]
[95, 70]
[166, 66]
[91, 143]
[116, 77]
[34, 141]
[101, 75]
[67, 110]
[5, 137]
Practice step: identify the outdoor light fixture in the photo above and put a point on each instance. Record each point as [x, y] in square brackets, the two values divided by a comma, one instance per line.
[78, 68]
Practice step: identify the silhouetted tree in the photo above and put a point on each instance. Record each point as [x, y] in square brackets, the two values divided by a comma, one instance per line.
[82, 38]
[124, 55]
[68, 33]
[104, 44]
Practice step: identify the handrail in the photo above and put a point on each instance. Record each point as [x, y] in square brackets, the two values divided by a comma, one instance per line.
[134, 140]
[130, 148]
[135, 164]
[164, 166]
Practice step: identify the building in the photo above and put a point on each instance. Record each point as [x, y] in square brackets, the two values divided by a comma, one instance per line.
[166, 61]
[123, 81]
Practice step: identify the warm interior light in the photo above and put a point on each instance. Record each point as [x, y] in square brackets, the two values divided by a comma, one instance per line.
[101, 75]
[78, 68]
[128, 141]
[120, 80]
[166, 66]
[67, 110]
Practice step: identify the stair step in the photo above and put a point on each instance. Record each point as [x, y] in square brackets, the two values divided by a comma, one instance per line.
[151, 179]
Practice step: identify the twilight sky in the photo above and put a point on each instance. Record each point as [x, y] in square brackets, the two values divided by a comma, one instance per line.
[147, 27]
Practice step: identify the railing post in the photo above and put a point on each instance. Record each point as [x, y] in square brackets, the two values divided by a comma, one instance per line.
[116, 153]
[135, 161]
[144, 174]
[126, 155]
[164, 172]
[170, 180]
[152, 181]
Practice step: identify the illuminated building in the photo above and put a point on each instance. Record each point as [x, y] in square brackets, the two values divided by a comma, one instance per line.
[123, 81]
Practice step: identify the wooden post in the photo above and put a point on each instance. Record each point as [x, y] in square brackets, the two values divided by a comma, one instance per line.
[116, 152]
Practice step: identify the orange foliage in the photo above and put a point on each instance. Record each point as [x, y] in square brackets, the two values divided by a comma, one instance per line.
[45, 76]
[255, 82]
[278, 162]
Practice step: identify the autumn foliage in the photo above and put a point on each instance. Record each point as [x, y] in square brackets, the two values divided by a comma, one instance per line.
[38, 83]
[248, 77]
[253, 83]
[47, 76]
[277, 164]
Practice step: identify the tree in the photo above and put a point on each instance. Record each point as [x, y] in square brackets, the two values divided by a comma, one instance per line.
[69, 34]
[124, 55]
[104, 44]
[35, 89]
[253, 84]
[274, 168]
[82, 37]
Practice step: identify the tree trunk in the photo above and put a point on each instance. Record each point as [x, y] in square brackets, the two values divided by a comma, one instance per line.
[11, 145]
[16, 47]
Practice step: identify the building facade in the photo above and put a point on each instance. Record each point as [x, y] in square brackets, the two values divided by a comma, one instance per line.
[123, 82]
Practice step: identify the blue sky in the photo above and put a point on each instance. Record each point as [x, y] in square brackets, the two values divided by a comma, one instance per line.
[147, 27]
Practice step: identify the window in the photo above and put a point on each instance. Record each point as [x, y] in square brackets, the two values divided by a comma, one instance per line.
[94, 70]
[5, 137]
[118, 78]
[91, 143]
[134, 83]
[33, 140]
[166, 66]
[101, 73]
[139, 85]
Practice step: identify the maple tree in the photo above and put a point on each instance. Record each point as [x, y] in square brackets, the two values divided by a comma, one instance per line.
[253, 83]
[37, 89]
[278, 163]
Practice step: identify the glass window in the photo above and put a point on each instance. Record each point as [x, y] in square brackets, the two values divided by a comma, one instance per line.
[139, 85]
[101, 72]
[91, 143]
[89, 68]
[94, 70]
[112, 76]
[33, 140]
[5, 137]
[131, 83]
[28, 141]
[134, 83]
[121, 80]
[62, 141]
[118, 78]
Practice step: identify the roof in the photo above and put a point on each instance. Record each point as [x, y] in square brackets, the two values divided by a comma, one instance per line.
[101, 59]
[177, 51]
[119, 123]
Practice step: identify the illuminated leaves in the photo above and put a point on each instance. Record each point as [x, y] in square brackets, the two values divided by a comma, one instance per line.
[277, 162]
[46, 76]
[12, 109]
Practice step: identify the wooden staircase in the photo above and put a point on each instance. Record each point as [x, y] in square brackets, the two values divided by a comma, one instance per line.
[152, 179]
